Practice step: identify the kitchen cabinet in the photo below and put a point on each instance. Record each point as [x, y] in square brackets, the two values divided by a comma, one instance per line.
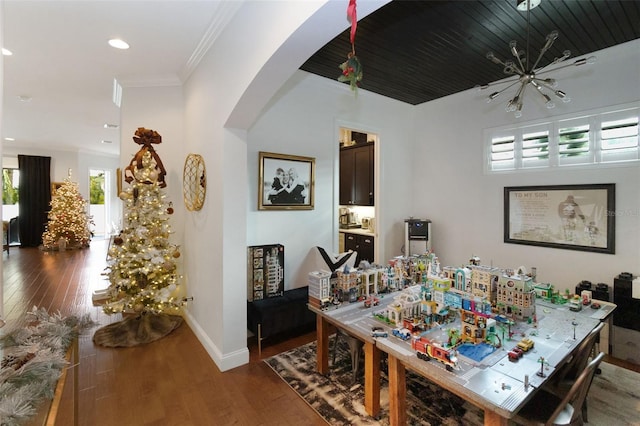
[363, 244]
[357, 175]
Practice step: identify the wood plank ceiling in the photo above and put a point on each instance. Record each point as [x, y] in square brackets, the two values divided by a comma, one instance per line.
[418, 51]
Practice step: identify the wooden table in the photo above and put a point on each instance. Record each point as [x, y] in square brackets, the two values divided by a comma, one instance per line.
[371, 358]
[495, 385]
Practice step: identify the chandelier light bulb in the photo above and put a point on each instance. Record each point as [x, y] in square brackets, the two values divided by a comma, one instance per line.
[492, 96]
[509, 68]
[552, 36]
[513, 46]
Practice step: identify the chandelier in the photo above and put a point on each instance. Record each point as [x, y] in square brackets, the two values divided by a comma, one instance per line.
[528, 74]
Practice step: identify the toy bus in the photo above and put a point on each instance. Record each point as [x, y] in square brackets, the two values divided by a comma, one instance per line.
[426, 350]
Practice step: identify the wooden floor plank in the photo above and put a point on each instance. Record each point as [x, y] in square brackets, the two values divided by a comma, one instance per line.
[169, 382]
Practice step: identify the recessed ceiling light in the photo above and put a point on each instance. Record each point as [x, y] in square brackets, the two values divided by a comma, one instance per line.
[118, 44]
[9, 139]
[111, 126]
[6, 52]
[106, 141]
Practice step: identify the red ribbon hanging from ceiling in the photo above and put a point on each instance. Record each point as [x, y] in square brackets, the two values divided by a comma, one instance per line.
[351, 14]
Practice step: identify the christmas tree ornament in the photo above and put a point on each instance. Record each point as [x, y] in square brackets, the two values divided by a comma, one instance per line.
[146, 138]
[352, 68]
[170, 208]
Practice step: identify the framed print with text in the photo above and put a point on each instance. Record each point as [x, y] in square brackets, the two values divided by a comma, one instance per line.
[573, 217]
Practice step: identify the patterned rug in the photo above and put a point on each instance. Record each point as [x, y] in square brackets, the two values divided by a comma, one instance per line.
[340, 401]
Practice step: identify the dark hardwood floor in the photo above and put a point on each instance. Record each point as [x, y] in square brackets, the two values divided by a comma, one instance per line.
[172, 381]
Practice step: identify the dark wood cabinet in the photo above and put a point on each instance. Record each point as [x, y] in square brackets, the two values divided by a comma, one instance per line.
[357, 175]
[363, 244]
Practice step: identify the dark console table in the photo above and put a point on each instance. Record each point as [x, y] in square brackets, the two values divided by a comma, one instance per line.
[286, 314]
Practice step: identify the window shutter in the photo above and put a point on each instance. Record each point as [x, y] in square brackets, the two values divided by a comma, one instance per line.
[573, 145]
[503, 153]
[619, 140]
[535, 149]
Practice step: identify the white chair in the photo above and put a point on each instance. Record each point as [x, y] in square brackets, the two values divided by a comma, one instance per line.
[546, 409]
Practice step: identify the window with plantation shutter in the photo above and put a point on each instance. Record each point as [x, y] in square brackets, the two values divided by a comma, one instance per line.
[585, 140]
[502, 153]
[574, 145]
[535, 149]
[619, 140]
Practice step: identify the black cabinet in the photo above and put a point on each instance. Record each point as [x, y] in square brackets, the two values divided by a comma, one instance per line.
[363, 244]
[357, 175]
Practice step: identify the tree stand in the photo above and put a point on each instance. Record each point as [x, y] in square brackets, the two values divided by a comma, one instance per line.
[134, 331]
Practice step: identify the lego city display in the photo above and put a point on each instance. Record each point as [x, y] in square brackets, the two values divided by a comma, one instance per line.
[265, 271]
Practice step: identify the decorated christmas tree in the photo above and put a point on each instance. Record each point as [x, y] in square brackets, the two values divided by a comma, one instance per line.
[68, 219]
[142, 268]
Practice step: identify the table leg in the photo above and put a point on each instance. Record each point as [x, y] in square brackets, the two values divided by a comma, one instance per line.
[397, 392]
[371, 379]
[322, 351]
[492, 418]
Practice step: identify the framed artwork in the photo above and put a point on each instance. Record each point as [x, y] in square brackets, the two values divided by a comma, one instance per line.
[285, 182]
[118, 181]
[54, 187]
[572, 217]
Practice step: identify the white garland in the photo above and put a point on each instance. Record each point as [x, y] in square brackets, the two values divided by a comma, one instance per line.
[32, 363]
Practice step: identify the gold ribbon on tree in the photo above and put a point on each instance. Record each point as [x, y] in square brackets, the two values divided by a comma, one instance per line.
[146, 137]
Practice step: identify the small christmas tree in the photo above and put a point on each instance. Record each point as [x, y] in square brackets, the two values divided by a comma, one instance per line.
[68, 219]
[142, 266]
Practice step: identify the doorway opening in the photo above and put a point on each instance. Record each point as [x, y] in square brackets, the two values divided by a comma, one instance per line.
[99, 203]
[357, 193]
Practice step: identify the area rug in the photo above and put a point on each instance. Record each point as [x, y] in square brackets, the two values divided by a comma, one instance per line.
[340, 400]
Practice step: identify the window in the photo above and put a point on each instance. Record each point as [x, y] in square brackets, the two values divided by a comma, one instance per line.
[535, 149]
[10, 182]
[619, 139]
[587, 140]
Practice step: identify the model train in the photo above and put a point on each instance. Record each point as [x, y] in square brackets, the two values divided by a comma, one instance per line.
[427, 349]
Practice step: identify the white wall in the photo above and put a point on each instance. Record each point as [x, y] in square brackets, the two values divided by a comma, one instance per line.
[215, 264]
[160, 109]
[466, 205]
[297, 126]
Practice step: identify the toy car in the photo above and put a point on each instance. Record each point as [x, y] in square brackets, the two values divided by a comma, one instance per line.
[402, 333]
[575, 306]
[595, 305]
[515, 354]
[378, 332]
[525, 344]
[371, 301]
